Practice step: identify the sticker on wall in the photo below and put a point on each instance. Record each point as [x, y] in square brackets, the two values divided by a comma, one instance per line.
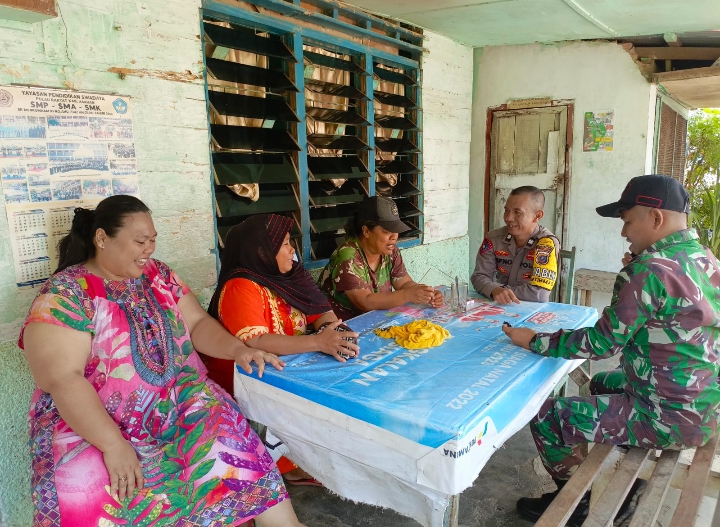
[598, 130]
[59, 150]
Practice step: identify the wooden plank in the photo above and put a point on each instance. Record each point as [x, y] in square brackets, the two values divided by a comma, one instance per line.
[547, 124]
[603, 479]
[610, 501]
[678, 53]
[601, 281]
[559, 511]
[450, 518]
[672, 40]
[562, 142]
[703, 92]
[693, 73]
[695, 484]
[541, 181]
[551, 110]
[716, 517]
[527, 141]
[29, 11]
[505, 146]
[652, 499]
[553, 138]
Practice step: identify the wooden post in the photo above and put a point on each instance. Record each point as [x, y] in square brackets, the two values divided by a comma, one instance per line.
[451, 512]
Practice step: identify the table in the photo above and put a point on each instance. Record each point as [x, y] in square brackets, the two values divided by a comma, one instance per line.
[411, 429]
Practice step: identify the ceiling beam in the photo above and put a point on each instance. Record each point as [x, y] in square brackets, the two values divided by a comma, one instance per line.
[693, 73]
[683, 53]
[590, 18]
[672, 40]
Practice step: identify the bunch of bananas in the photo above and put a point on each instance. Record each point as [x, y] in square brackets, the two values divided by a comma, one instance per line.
[419, 334]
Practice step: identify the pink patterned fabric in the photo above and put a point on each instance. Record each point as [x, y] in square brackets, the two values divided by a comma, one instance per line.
[203, 465]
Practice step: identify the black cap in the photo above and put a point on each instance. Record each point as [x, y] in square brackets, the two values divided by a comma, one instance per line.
[382, 211]
[656, 191]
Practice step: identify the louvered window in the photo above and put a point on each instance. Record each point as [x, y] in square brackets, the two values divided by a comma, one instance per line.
[671, 144]
[308, 128]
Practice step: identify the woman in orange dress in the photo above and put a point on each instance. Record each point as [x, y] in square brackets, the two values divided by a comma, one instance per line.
[268, 300]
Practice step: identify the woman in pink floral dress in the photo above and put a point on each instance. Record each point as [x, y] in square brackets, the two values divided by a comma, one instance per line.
[125, 427]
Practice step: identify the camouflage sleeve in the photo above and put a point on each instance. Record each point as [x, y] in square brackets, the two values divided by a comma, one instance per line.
[483, 277]
[544, 273]
[349, 273]
[398, 270]
[638, 295]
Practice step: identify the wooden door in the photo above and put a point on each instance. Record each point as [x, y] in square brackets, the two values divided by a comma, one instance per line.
[528, 148]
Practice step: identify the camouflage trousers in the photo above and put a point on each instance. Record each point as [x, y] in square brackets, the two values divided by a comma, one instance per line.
[607, 416]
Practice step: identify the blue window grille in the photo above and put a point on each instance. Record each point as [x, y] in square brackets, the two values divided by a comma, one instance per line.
[306, 123]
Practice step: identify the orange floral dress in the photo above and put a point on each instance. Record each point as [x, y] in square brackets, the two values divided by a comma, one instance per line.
[248, 310]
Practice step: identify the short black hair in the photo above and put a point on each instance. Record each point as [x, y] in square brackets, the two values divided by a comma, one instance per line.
[536, 195]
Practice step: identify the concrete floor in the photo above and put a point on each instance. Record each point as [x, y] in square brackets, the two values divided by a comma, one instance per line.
[510, 474]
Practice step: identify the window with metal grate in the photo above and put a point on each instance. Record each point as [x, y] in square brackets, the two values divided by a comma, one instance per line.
[307, 127]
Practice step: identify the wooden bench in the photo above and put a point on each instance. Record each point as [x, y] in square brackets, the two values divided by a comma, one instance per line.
[586, 281]
[680, 494]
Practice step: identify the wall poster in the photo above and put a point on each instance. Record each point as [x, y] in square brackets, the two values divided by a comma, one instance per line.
[59, 150]
[598, 131]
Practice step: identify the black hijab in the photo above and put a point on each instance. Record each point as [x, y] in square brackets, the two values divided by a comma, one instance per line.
[250, 251]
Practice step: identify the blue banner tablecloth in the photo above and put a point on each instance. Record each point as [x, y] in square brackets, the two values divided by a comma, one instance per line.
[433, 395]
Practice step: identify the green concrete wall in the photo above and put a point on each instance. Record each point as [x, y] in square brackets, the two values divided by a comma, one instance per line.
[75, 51]
[159, 54]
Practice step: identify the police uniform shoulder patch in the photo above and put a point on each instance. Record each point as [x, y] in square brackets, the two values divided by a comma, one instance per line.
[545, 265]
[486, 246]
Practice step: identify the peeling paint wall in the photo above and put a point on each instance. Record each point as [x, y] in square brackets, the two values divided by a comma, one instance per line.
[597, 76]
[153, 55]
[447, 110]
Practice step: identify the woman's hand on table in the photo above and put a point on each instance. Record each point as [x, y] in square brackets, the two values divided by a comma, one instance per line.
[437, 299]
[124, 469]
[333, 342]
[520, 336]
[245, 355]
[421, 294]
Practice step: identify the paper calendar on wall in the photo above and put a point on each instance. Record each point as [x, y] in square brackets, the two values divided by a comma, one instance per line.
[59, 150]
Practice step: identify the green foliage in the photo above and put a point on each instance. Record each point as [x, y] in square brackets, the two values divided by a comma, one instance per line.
[706, 218]
[703, 155]
[702, 176]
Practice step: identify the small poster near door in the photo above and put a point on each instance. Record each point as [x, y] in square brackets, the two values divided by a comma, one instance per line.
[598, 131]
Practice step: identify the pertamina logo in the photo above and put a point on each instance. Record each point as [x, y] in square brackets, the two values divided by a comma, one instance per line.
[466, 449]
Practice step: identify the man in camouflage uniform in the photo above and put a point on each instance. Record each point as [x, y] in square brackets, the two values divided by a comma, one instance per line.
[663, 320]
[518, 261]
